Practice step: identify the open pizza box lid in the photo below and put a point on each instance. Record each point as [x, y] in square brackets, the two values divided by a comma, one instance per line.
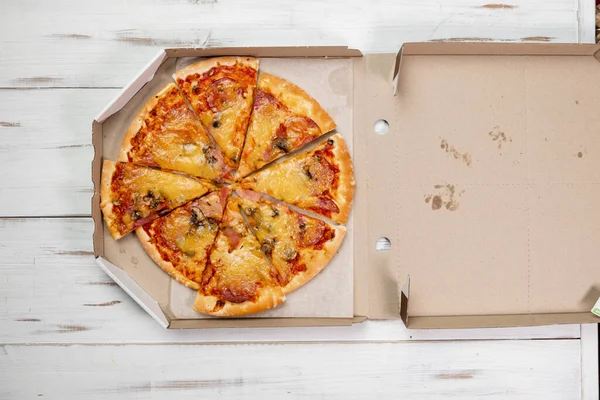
[475, 202]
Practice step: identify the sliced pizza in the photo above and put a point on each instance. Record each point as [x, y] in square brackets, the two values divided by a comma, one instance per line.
[221, 91]
[238, 278]
[299, 246]
[167, 134]
[132, 195]
[320, 180]
[284, 118]
[180, 241]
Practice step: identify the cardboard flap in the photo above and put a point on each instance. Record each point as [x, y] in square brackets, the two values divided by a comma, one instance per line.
[497, 168]
[133, 87]
[134, 290]
[279, 52]
[493, 49]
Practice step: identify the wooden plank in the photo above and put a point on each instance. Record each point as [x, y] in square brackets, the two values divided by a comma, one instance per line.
[51, 291]
[586, 16]
[46, 151]
[590, 385]
[70, 43]
[494, 370]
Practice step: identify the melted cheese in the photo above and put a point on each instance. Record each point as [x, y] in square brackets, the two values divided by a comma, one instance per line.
[183, 239]
[283, 233]
[240, 270]
[177, 189]
[228, 127]
[141, 193]
[274, 131]
[172, 138]
[222, 98]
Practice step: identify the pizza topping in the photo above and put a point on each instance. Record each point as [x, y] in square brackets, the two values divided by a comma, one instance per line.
[238, 294]
[300, 130]
[325, 206]
[221, 94]
[264, 98]
[281, 144]
[184, 237]
[315, 233]
[290, 254]
[171, 137]
[222, 98]
[267, 246]
[321, 172]
[233, 236]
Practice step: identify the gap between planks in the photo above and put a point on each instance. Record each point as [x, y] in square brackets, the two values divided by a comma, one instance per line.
[279, 343]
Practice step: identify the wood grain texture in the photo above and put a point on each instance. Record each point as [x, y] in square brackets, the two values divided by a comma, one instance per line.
[51, 291]
[69, 43]
[548, 370]
[46, 150]
[590, 389]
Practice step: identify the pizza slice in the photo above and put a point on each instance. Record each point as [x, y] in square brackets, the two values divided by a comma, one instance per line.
[180, 241]
[167, 134]
[132, 195]
[284, 118]
[238, 278]
[299, 246]
[221, 91]
[320, 180]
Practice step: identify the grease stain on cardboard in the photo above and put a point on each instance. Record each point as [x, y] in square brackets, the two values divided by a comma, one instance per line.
[499, 137]
[465, 158]
[445, 196]
[338, 82]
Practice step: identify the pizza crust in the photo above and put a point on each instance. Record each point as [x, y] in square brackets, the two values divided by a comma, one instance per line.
[205, 65]
[106, 205]
[297, 100]
[268, 298]
[346, 183]
[138, 121]
[166, 266]
[318, 263]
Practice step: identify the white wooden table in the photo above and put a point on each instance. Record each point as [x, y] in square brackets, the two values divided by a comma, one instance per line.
[67, 331]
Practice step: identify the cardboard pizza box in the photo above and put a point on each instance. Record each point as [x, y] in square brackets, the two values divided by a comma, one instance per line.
[477, 169]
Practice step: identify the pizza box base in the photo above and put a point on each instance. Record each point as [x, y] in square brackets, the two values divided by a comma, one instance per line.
[485, 185]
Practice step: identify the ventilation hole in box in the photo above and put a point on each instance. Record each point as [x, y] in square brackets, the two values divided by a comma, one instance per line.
[383, 245]
[381, 127]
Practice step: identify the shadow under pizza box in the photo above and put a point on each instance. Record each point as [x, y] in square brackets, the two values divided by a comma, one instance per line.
[477, 170]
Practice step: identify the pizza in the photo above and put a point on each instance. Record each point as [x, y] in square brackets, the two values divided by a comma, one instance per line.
[180, 241]
[132, 195]
[298, 246]
[221, 92]
[166, 134]
[232, 185]
[238, 278]
[284, 118]
[320, 180]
